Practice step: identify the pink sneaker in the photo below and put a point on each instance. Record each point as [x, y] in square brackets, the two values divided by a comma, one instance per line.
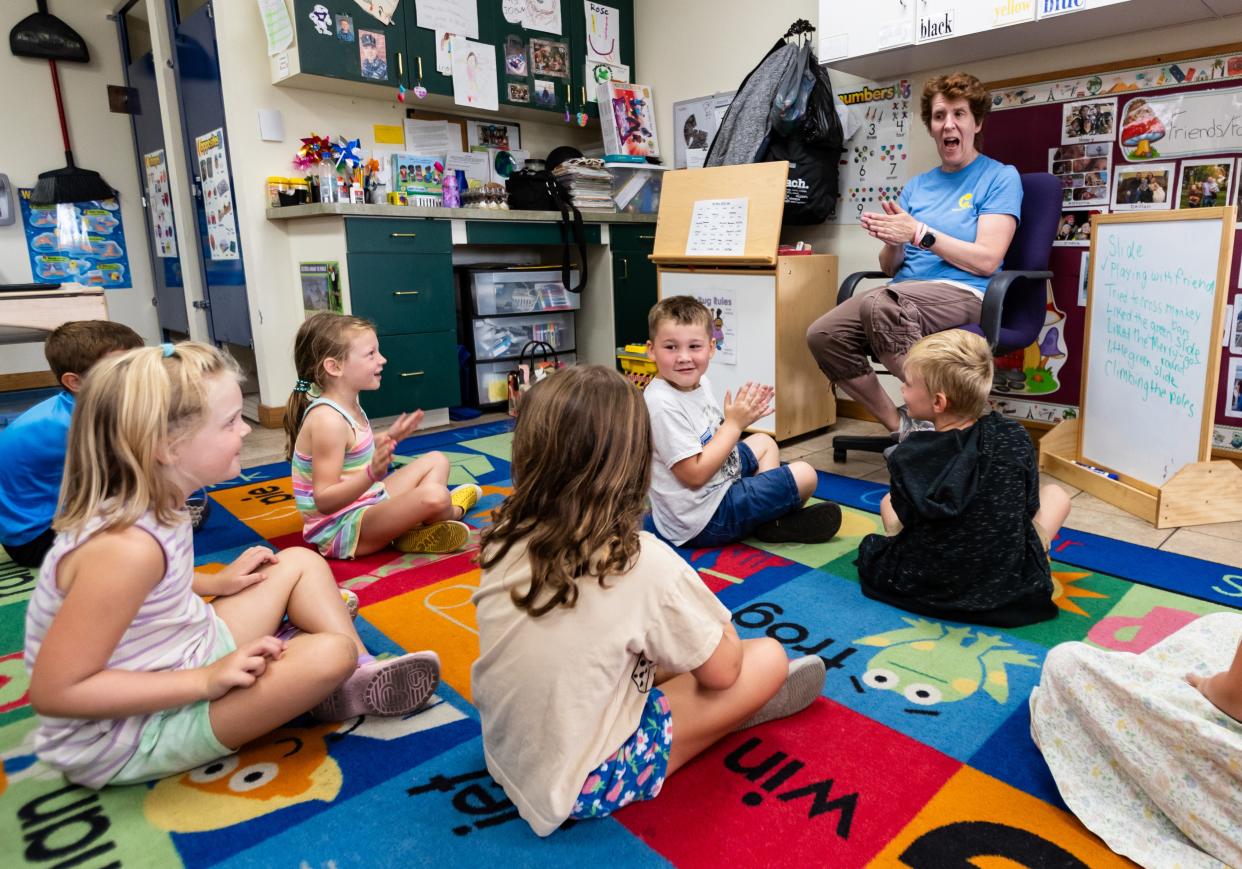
[391, 687]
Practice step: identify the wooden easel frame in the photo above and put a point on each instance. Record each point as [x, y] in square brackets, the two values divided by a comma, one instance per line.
[1203, 491]
[763, 184]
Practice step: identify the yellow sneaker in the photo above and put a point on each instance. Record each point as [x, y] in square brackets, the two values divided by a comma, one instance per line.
[447, 536]
[351, 602]
[465, 496]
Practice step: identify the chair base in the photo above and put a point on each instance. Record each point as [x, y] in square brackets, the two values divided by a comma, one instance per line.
[863, 443]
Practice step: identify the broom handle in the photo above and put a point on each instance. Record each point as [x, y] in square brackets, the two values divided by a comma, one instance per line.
[60, 109]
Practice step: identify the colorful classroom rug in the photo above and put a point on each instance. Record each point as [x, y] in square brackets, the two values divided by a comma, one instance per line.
[930, 774]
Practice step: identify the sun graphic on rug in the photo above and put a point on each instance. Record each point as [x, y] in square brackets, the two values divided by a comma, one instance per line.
[1063, 589]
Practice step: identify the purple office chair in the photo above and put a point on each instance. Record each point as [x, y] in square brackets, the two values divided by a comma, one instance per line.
[1015, 302]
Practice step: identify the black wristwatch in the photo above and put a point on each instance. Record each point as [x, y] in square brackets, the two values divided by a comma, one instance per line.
[927, 240]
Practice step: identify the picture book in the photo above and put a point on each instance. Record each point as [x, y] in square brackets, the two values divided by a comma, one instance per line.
[415, 175]
[627, 119]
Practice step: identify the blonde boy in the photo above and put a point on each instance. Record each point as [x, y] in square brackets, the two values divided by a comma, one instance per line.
[967, 523]
[710, 487]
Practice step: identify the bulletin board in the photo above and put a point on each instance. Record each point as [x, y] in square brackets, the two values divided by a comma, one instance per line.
[1152, 134]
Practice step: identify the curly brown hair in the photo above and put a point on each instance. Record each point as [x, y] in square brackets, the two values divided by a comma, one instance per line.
[581, 467]
[956, 85]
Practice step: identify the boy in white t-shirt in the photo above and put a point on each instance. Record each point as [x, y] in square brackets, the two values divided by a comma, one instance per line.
[708, 486]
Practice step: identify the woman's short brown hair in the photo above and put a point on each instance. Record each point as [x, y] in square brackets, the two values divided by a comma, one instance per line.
[956, 85]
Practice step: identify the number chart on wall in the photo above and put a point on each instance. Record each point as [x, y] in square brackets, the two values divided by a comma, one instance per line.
[876, 161]
[1152, 341]
[1136, 138]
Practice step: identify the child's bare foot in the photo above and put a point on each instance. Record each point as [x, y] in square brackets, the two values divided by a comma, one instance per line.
[1218, 693]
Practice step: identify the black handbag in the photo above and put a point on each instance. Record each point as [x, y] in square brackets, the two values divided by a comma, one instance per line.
[531, 190]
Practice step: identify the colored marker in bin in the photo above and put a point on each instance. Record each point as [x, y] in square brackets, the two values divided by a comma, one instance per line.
[1100, 471]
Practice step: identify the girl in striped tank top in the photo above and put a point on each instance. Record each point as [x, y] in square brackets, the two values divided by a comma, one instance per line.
[133, 676]
[349, 502]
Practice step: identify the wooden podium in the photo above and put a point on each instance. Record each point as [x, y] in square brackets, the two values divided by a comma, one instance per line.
[773, 298]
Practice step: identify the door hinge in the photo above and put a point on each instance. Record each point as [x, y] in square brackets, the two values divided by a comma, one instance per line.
[144, 201]
[202, 304]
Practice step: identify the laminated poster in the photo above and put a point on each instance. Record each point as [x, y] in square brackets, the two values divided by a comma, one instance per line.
[156, 168]
[718, 227]
[724, 324]
[213, 174]
[876, 158]
[78, 242]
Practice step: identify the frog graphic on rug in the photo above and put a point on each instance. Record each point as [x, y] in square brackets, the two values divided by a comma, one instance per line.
[929, 664]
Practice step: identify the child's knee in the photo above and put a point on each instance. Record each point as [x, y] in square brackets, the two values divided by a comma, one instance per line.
[806, 478]
[435, 497]
[302, 560]
[768, 658]
[437, 460]
[762, 443]
[335, 657]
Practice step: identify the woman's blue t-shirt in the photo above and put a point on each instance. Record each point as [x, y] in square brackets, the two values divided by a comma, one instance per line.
[950, 203]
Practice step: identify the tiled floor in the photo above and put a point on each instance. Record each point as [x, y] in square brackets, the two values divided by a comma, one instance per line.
[1221, 543]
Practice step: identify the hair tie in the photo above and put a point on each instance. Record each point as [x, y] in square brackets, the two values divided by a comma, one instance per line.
[309, 387]
[167, 349]
[301, 386]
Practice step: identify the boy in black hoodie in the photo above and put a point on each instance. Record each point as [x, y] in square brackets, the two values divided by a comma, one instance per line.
[967, 524]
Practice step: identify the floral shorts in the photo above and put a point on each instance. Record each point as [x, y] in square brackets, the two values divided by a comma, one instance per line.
[636, 770]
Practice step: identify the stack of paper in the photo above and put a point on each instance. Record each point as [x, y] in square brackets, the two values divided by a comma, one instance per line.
[587, 182]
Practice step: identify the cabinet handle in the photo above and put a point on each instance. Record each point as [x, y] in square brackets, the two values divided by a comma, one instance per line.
[647, 237]
[625, 269]
[584, 96]
[412, 373]
[400, 66]
[420, 69]
[402, 234]
[405, 292]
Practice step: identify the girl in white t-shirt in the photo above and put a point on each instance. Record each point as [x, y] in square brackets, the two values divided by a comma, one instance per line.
[605, 663]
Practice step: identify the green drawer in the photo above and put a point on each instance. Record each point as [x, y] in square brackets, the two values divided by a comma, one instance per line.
[398, 235]
[422, 372]
[515, 232]
[402, 294]
[639, 237]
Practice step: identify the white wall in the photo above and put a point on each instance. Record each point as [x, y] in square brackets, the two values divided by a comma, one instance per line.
[681, 59]
[271, 273]
[101, 141]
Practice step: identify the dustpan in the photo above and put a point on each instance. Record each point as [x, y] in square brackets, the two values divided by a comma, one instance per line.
[43, 35]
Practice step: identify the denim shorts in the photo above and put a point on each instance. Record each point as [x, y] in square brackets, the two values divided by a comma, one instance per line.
[750, 502]
[637, 769]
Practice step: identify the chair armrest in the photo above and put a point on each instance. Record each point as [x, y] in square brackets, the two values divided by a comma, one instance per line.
[852, 281]
[994, 301]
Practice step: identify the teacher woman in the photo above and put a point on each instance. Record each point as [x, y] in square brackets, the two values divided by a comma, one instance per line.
[943, 238]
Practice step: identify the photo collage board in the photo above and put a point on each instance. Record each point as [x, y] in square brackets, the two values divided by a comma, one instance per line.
[1134, 139]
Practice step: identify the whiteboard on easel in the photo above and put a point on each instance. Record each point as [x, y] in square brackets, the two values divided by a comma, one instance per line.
[1152, 341]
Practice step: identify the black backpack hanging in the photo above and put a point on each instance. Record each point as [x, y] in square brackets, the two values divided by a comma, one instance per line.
[531, 190]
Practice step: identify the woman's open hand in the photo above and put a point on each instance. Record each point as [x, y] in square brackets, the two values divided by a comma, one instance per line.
[894, 226]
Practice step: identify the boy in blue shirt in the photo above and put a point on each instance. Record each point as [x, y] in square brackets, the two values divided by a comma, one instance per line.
[32, 447]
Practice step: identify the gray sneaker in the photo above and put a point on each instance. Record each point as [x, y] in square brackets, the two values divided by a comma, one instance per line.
[908, 424]
[804, 683]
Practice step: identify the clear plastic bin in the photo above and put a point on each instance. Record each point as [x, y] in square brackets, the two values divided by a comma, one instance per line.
[503, 337]
[493, 377]
[636, 188]
[522, 291]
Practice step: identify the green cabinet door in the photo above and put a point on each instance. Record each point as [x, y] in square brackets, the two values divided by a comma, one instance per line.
[603, 41]
[361, 57]
[421, 372]
[633, 294]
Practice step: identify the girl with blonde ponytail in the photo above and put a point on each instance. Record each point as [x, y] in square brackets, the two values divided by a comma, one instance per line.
[133, 676]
